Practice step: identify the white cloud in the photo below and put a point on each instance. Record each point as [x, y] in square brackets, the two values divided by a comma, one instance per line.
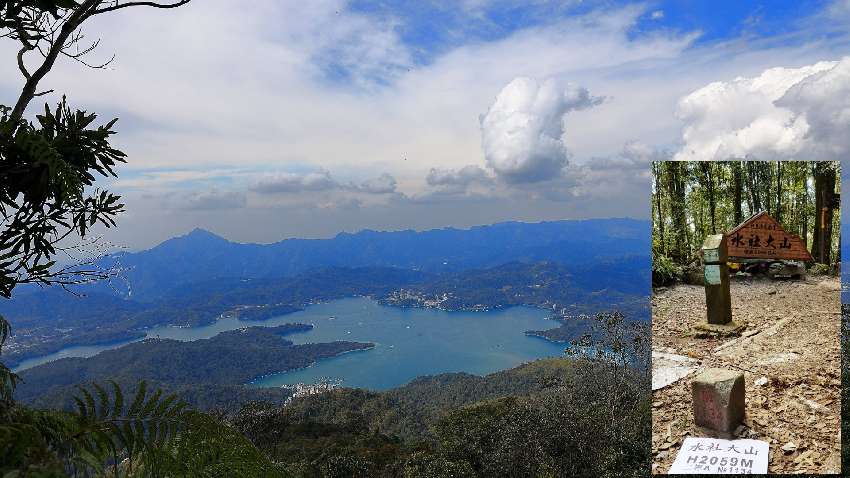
[626, 174]
[783, 113]
[383, 184]
[320, 180]
[521, 132]
[295, 182]
[213, 200]
[462, 177]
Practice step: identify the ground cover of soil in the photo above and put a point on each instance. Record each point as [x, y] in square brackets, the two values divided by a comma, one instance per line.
[790, 357]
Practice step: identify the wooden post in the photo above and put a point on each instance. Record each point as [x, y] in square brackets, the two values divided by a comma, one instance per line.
[718, 301]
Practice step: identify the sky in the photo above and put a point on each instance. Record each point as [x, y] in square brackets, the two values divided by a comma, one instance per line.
[304, 119]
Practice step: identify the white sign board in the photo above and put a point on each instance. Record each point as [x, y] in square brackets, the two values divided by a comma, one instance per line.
[710, 255]
[713, 456]
[712, 274]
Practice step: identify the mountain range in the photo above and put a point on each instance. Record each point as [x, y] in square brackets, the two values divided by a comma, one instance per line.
[572, 267]
[202, 256]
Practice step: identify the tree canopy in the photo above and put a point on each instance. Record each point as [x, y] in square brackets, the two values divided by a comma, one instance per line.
[691, 200]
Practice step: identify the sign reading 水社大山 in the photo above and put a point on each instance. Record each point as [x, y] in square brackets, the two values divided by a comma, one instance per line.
[762, 237]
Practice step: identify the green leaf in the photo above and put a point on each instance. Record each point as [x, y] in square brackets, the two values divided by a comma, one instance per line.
[139, 400]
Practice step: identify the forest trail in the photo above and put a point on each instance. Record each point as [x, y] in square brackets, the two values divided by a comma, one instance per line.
[792, 340]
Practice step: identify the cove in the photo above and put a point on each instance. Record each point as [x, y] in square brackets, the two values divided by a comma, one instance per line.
[409, 342]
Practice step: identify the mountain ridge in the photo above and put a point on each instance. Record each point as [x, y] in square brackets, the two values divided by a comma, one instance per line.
[201, 255]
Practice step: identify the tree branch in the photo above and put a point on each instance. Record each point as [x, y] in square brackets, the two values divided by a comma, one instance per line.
[140, 4]
[21, 65]
[82, 12]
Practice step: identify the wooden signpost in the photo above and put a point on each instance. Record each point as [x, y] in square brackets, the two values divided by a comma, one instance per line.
[716, 276]
[718, 302]
[762, 237]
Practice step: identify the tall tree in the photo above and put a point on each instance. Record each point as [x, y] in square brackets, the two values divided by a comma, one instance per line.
[706, 178]
[778, 208]
[656, 167]
[738, 186]
[824, 173]
[676, 172]
[802, 172]
[752, 186]
[48, 168]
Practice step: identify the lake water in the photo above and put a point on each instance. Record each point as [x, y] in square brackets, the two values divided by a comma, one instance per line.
[408, 342]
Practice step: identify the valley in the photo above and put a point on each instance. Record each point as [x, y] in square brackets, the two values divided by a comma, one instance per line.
[477, 318]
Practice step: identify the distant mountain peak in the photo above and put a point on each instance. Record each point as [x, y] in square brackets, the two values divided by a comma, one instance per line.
[200, 232]
[196, 238]
[202, 235]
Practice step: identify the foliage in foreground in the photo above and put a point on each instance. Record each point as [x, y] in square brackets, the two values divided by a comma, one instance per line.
[664, 271]
[147, 434]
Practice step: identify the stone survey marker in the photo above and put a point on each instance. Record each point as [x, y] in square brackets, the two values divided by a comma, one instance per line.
[718, 399]
[762, 237]
[713, 456]
[718, 303]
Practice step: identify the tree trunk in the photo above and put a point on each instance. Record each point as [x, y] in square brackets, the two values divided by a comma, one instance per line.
[824, 175]
[765, 185]
[706, 179]
[676, 193]
[658, 189]
[804, 205]
[738, 185]
[752, 182]
[778, 207]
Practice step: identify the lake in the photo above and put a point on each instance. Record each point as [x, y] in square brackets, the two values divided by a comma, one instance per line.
[409, 342]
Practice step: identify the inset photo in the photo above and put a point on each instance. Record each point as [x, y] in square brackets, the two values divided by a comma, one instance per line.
[746, 317]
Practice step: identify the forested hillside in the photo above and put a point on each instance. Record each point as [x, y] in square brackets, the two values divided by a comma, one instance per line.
[230, 358]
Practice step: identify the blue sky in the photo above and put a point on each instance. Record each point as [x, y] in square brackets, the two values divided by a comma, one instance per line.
[304, 119]
[432, 28]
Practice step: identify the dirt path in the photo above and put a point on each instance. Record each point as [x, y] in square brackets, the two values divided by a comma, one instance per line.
[792, 340]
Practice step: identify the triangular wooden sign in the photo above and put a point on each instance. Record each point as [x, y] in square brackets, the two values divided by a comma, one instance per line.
[762, 237]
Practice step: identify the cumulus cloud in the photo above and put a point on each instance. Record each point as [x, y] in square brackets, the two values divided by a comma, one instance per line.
[295, 182]
[521, 133]
[383, 184]
[627, 173]
[347, 203]
[322, 181]
[784, 113]
[635, 156]
[470, 180]
[457, 177]
[215, 200]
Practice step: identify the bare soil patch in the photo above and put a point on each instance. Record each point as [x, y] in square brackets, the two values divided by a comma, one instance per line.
[790, 356]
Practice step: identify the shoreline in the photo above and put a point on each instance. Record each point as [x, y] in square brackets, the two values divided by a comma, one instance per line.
[258, 323]
[261, 377]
